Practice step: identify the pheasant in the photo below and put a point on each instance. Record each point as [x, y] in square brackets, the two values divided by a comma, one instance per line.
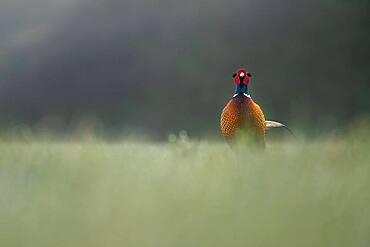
[242, 114]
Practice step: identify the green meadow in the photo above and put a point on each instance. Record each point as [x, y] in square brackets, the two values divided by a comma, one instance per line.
[185, 192]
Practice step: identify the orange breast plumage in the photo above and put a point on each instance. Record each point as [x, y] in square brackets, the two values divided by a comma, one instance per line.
[241, 113]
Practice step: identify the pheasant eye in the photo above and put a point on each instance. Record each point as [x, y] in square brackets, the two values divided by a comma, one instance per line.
[249, 74]
[234, 75]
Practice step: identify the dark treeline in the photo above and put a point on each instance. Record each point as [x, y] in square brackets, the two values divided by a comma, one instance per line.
[163, 66]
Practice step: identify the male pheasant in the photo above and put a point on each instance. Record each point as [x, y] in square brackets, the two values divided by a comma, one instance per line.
[242, 114]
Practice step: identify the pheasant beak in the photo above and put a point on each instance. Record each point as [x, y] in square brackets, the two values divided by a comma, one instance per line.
[241, 77]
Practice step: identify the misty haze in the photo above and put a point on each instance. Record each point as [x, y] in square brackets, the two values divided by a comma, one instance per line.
[161, 67]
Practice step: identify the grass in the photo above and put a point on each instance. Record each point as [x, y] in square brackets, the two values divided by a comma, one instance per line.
[185, 193]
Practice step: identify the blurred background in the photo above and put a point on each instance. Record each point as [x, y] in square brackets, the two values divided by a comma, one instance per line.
[157, 67]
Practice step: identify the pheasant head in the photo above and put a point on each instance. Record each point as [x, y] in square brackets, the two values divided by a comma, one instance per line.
[241, 80]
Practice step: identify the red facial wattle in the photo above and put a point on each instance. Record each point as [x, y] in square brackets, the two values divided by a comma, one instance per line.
[241, 75]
